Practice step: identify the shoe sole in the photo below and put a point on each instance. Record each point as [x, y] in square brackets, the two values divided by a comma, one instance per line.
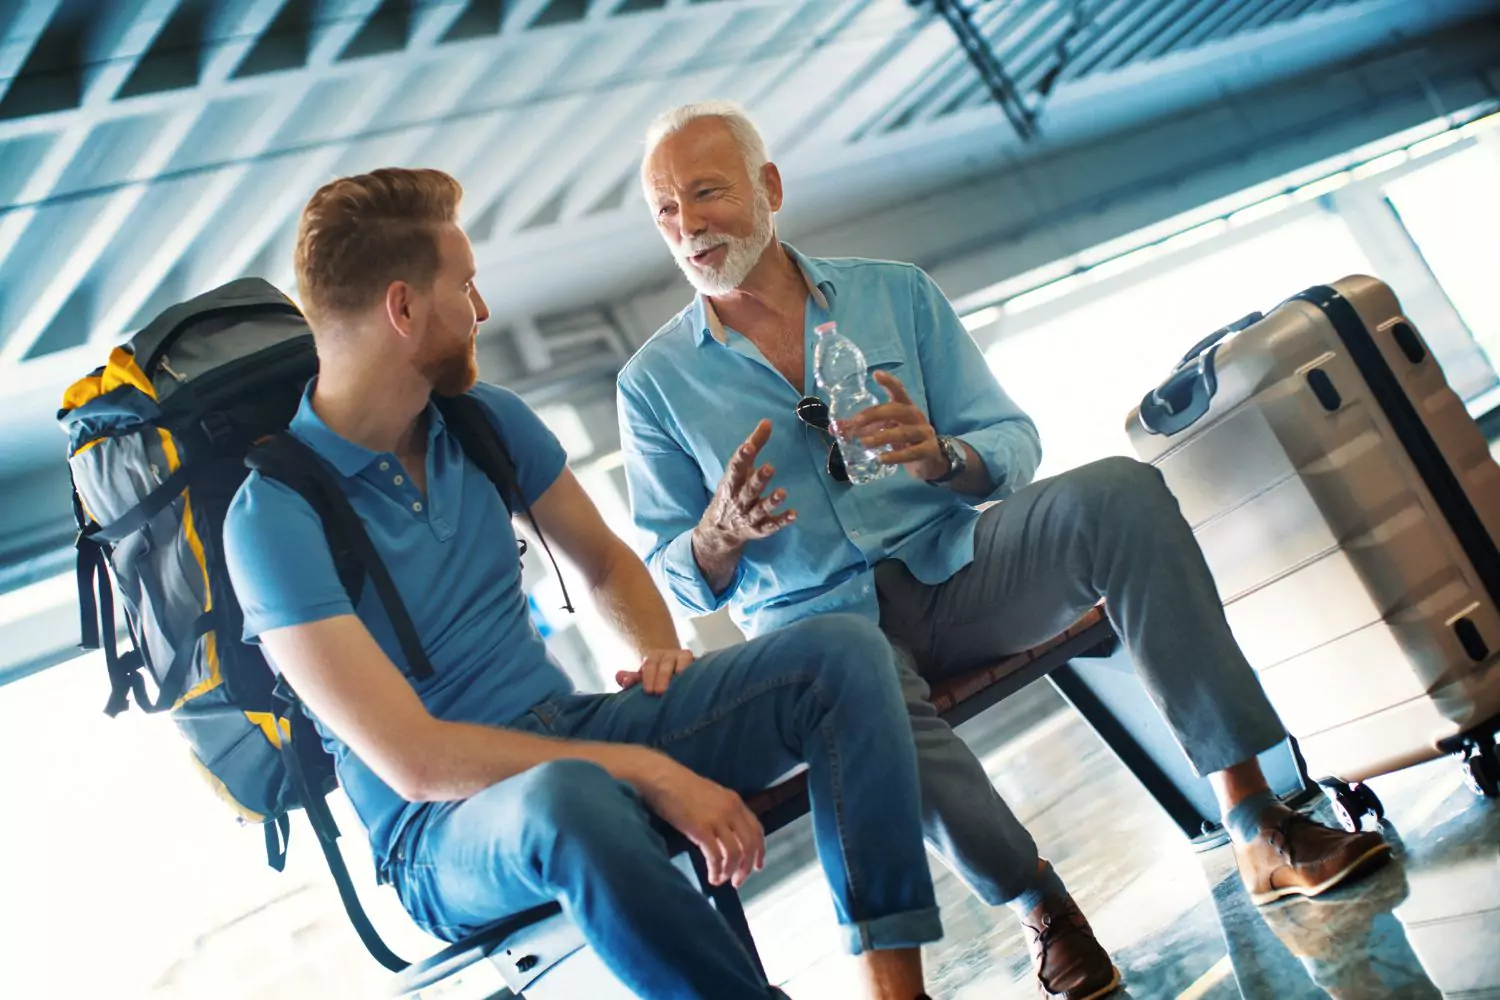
[1364, 862]
[1103, 991]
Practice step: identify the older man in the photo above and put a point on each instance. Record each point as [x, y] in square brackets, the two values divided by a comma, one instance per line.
[950, 585]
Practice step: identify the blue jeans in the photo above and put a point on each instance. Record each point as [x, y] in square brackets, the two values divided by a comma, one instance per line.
[822, 692]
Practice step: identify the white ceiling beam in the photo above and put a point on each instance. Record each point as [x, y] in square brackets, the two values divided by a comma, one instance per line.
[118, 61]
[305, 78]
[618, 149]
[120, 54]
[314, 169]
[25, 31]
[108, 221]
[885, 68]
[545, 127]
[584, 148]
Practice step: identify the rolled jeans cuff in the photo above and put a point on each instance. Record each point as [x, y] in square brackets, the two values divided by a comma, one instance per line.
[899, 930]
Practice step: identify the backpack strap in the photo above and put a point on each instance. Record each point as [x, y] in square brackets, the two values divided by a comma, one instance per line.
[469, 421]
[326, 828]
[295, 465]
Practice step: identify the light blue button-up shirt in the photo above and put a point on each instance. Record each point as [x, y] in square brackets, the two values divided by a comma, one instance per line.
[696, 390]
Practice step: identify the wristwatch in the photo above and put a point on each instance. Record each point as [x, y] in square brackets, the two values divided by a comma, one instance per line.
[958, 459]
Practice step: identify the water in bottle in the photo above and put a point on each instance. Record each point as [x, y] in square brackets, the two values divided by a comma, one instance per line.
[839, 369]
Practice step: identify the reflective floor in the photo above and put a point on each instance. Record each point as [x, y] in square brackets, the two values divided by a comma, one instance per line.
[1178, 923]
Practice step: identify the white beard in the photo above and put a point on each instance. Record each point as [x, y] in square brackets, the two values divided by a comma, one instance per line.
[741, 255]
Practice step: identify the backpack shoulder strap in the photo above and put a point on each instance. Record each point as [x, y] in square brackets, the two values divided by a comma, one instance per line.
[469, 421]
[465, 416]
[295, 465]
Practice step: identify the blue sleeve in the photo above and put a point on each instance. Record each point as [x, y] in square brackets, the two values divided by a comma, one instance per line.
[539, 456]
[278, 559]
[963, 396]
[667, 498]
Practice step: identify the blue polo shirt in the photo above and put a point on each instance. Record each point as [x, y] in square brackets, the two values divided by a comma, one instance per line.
[696, 390]
[452, 555]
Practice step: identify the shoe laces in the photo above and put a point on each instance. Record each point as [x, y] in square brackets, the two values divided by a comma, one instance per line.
[1280, 835]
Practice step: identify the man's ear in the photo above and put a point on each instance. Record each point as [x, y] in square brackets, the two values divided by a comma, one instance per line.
[771, 177]
[398, 307]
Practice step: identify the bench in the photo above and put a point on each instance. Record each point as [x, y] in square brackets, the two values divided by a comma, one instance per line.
[957, 700]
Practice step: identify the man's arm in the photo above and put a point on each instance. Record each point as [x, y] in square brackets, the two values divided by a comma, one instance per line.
[695, 538]
[348, 682]
[962, 399]
[622, 587]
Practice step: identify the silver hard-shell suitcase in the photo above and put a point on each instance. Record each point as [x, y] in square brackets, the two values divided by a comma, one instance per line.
[1348, 507]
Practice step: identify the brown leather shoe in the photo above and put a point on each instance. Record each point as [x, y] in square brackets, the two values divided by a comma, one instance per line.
[1070, 963]
[1295, 856]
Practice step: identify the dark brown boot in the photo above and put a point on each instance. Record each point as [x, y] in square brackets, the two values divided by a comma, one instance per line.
[1070, 963]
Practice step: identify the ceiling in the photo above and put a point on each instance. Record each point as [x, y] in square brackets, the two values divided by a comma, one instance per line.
[152, 149]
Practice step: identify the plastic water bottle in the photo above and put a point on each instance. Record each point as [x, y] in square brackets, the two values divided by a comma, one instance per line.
[839, 368]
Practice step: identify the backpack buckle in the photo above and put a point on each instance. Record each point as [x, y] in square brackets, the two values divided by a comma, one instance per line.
[216, 426]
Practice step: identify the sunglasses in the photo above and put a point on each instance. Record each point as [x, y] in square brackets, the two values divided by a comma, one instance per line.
[813, 412]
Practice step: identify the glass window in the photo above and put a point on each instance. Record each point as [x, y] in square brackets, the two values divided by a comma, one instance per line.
[1452, 211]
[1078, 375]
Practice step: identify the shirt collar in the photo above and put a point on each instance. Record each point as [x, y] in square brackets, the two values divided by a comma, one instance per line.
[347, 458]
[819, 285]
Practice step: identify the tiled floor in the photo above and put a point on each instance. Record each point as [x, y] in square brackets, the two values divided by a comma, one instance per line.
[1179, 923]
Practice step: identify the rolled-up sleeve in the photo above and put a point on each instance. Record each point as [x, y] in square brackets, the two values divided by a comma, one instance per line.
[965, 399]
[667, 498]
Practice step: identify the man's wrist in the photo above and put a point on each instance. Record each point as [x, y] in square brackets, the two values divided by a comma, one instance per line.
[955, 460]
[644, 769]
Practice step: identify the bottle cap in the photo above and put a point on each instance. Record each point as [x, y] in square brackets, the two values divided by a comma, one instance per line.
[826, 327]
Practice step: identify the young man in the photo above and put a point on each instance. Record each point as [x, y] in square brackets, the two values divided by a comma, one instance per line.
[493, 787]
[950, 585]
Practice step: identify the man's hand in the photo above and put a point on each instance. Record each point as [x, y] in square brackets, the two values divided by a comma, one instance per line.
[710, 815]
[902, 425]
[657, 669]
[738, 513]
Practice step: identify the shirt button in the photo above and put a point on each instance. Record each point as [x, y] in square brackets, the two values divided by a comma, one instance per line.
[853, 534]
[399, 480]
[417, 507]
[385, 466]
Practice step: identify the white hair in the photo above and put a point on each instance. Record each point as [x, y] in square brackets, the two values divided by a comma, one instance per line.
[746, 135]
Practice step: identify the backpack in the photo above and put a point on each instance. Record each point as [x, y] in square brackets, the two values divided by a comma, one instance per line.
[159, 440]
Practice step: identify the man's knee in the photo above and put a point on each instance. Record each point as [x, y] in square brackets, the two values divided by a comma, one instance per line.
[838, 647]
[1118, 487]
[572, 803]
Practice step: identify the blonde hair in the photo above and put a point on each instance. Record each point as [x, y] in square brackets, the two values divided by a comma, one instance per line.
[358, 234]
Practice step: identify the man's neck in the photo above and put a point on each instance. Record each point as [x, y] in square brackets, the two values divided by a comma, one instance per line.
[774, 290]
[378, 407]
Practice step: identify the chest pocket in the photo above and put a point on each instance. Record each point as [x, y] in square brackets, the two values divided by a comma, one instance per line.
[888, 356]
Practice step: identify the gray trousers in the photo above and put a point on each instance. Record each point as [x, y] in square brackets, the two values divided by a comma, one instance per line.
[1042, 558]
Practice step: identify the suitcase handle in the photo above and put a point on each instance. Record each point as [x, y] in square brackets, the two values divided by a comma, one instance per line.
[1184, 397]
[1220, 334]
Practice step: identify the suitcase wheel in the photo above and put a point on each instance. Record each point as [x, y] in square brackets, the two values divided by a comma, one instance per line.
[1482, 770]
[1352, 803]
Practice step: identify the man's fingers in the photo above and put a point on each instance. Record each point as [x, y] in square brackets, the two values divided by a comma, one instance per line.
[765, 507]
[904, 455]
[659, 675]
[627, 678]
[893, 385]
[894, 414]
[744, 456]
[751, 489]
[902, 435]
[716, 852]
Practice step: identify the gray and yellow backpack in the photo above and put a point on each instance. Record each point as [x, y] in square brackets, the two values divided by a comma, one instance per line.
[159, 440]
